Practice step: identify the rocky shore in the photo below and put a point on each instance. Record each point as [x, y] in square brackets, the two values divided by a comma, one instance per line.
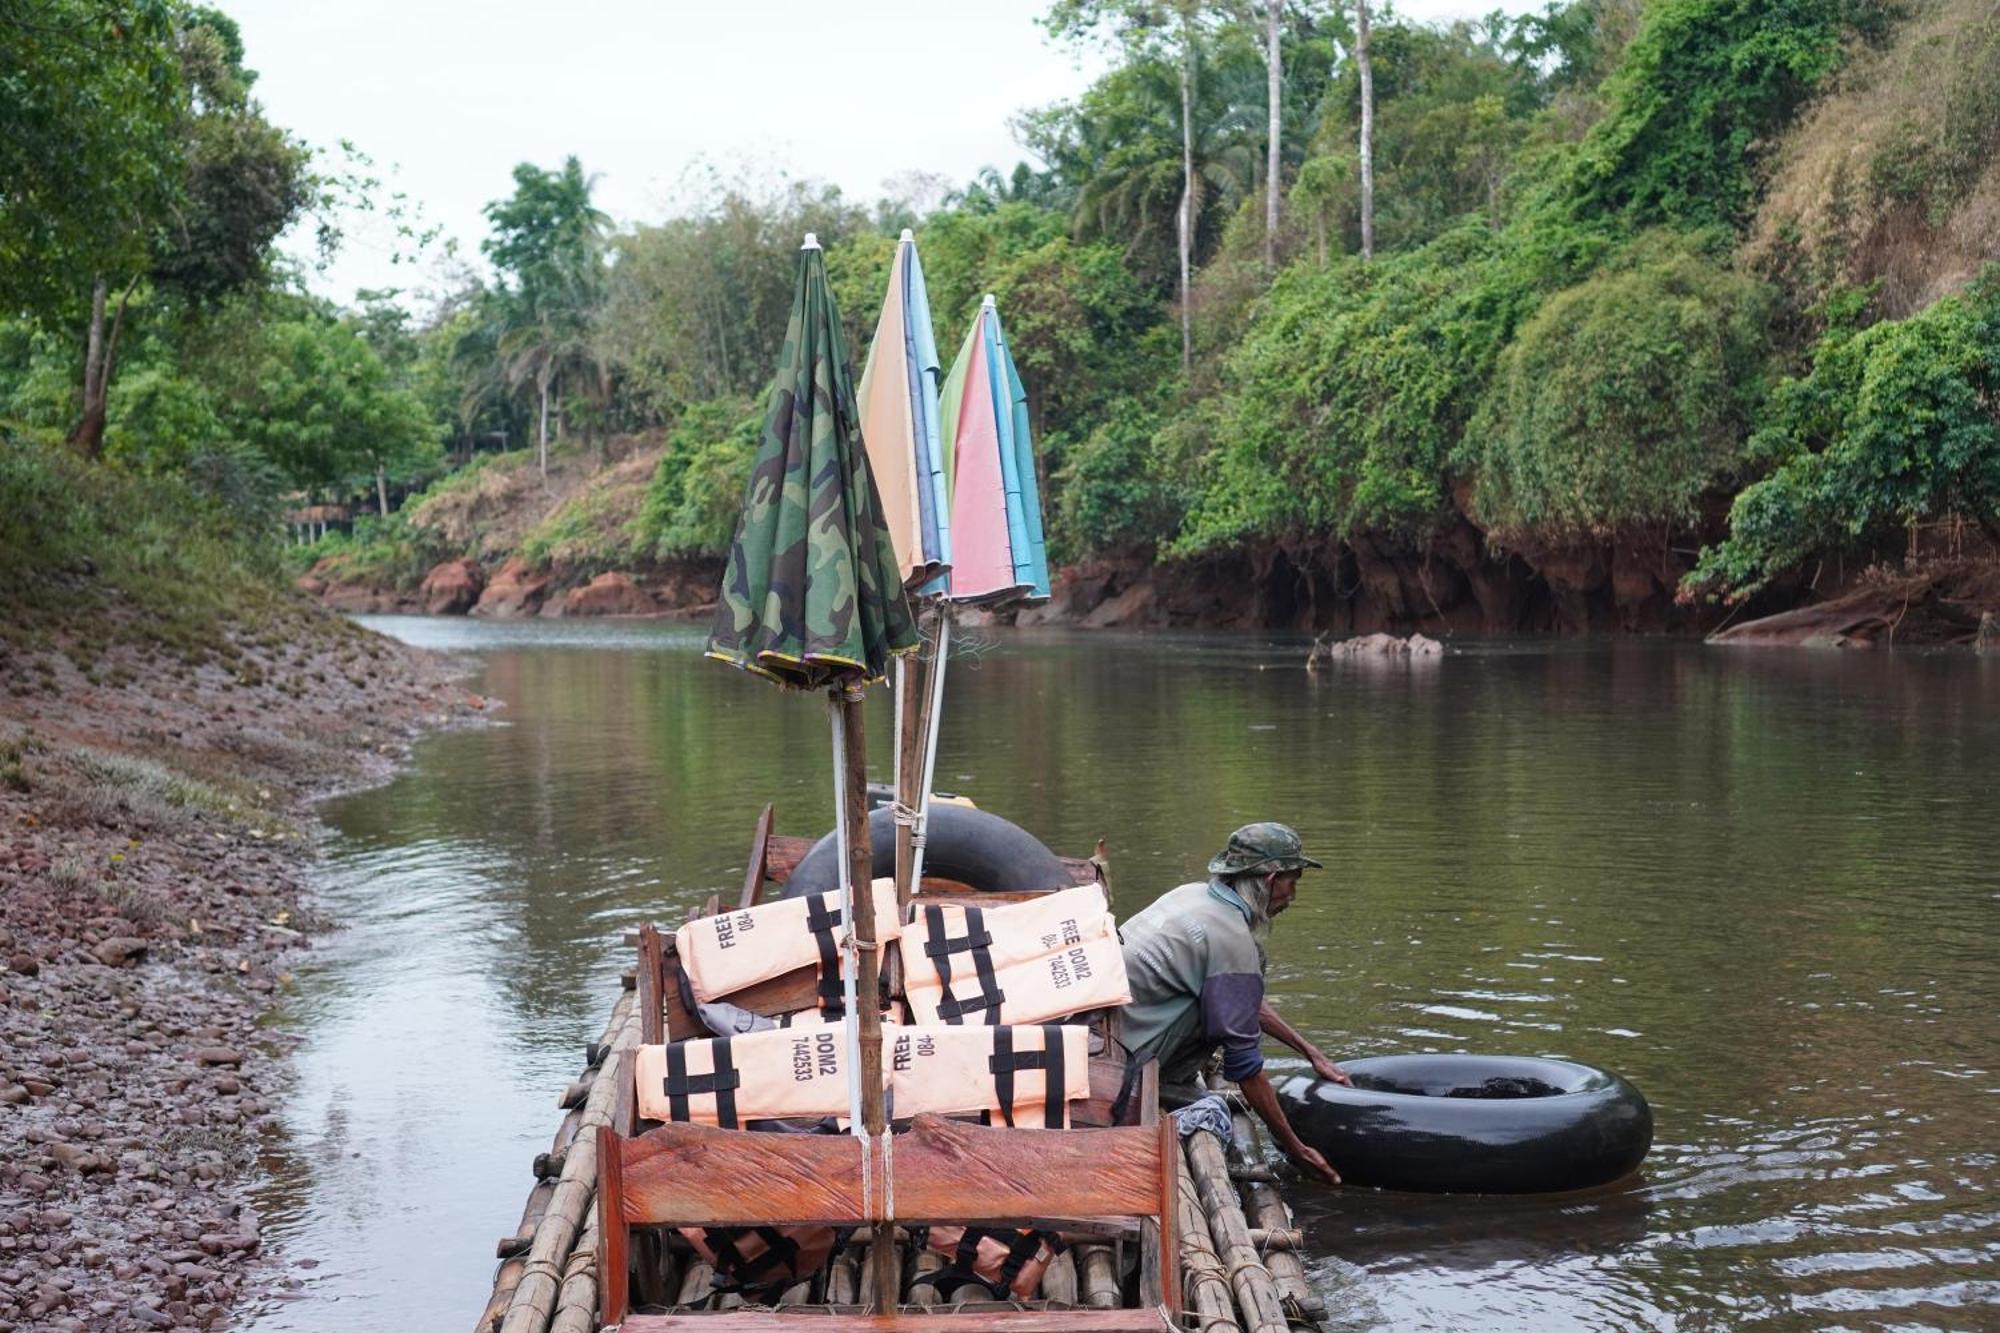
[156, 839]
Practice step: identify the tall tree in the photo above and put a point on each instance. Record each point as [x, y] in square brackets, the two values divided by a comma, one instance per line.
[1165, 30]
[207, 228]
[1274, 73]
[549, 239]
[1367, 161]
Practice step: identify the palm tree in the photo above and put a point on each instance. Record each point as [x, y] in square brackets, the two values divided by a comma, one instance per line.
[1138, 178]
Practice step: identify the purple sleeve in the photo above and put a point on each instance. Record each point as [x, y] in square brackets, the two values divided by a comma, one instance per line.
[1229, 1005]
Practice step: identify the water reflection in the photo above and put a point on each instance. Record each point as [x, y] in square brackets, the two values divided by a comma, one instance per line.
[1759, 885]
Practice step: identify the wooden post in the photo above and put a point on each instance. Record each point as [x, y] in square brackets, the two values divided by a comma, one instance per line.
[868, 963]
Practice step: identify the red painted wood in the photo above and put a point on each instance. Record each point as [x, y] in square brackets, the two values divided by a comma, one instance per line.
[948, 1171]
[908, 1320]
[613, 1261]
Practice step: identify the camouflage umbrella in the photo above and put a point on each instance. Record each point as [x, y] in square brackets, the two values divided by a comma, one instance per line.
[812, 596]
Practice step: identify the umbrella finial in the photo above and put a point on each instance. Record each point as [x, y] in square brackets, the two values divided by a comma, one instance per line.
[907, 235]
[811, 242]
[988, 303]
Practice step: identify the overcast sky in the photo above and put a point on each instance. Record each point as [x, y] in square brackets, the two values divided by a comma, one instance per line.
[447, 95]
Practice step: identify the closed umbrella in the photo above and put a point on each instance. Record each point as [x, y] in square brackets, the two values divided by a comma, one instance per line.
[811, 598]
[899, 424]
[999, 555]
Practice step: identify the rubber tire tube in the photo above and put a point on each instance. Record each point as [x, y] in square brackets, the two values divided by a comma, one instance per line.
[971, 846]
[1472, 1124]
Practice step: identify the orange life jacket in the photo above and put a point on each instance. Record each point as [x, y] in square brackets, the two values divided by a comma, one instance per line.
[762, 1257]
[1009, 1264]
[801, 1073]
[1088, 975]
[776, 1074]
[1032, 1071]
[947, 940]
[725, 953]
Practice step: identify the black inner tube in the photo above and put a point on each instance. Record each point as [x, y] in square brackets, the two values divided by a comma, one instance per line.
[971, 846]
[1477, 1124]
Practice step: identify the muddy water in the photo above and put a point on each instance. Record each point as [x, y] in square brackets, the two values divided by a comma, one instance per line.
[1763, 886]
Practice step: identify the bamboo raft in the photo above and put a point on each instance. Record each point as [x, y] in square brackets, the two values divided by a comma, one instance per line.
[1214, 1247]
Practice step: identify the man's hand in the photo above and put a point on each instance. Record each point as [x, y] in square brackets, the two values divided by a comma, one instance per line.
[1309, 1161]
[1327, 1069]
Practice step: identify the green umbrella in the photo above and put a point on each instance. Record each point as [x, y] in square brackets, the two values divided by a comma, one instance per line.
[812, 596]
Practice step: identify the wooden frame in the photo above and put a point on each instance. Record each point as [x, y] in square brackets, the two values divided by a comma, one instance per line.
[944, 1172]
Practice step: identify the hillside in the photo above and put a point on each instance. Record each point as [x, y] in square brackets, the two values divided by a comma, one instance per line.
[500, 539]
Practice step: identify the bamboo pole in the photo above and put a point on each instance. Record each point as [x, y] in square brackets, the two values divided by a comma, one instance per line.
[1267, 1211]
[507, 1278]
[1059, 1282]
[576, 1307]
[1097, 1274]
[1205, 1282]
[534, 1301]
[1257, 1301]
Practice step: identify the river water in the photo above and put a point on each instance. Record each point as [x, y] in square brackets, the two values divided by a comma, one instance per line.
[1762, 885]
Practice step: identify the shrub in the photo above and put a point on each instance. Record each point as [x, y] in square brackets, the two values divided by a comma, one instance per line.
[696, 496]
[1895, 423]
[1623, 400]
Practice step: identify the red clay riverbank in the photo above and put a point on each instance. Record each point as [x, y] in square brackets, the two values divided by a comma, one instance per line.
[155, 854]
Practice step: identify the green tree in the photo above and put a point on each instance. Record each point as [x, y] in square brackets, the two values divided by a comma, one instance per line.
[548, 238]
[240, 183]
[316, 400]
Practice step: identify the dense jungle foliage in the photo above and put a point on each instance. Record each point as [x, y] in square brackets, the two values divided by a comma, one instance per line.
[1633, 261]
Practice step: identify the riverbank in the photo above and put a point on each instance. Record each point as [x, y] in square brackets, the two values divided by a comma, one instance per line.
[156, 845]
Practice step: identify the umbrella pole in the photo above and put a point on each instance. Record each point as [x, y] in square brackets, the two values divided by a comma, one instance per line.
[910, 698]
[939, 656]
[863, 1022]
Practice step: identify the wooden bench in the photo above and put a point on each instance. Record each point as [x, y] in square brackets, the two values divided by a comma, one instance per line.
[945, 1172]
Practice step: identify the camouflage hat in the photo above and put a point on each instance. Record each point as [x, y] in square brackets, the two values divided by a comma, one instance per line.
[1270, 848]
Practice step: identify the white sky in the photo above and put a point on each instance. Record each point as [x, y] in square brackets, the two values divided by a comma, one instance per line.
[447, 95]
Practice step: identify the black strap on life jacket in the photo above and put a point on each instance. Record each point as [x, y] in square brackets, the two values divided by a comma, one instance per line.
[822, 923]
[1022, 1246]
[977, 942]
[1135, 1069]
[1006, 1062]
[722, 1084]
[780, 1256]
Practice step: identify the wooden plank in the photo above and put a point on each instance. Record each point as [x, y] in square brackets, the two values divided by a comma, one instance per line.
[907, 1320]
[952, 1172]
[614, 1263]
[760, 852]
[652, 982]
[697, 1175]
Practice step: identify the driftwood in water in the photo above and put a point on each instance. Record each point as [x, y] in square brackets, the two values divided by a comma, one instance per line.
[1268, 1212]
[1204, 1281]
[1257, 1299]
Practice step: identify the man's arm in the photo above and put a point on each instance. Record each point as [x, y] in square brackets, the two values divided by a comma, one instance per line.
[1264, 1101]
[1274, 1026]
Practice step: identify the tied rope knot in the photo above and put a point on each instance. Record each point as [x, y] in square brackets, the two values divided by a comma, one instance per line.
[911, 819]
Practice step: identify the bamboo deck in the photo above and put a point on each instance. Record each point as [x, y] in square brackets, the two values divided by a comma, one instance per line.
[1236, 1243]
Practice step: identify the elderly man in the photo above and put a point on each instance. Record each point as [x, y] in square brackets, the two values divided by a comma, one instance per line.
[1196, 963]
